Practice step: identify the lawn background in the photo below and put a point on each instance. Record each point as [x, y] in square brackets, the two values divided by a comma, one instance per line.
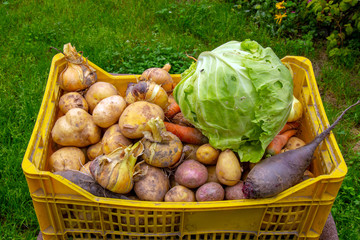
[129, 37]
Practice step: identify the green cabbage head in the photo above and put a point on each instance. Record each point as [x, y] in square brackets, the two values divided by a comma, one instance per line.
[239, 95]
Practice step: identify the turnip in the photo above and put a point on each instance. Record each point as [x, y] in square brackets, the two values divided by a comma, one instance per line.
[282, 171]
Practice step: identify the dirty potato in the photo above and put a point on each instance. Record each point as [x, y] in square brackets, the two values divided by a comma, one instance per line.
[66, 158]
[72, 100]
[152, 185]
[76, 128]
[107, 112]
[113, 138]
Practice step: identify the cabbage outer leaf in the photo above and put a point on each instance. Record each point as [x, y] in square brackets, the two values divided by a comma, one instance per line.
[239, 95]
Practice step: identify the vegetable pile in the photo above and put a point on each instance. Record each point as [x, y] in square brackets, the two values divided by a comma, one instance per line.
[220, 134]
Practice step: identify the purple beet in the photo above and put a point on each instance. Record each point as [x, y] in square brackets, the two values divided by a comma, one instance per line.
[282, 171]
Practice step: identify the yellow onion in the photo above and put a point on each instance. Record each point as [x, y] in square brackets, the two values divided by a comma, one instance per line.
[116, 170]
[296, 110]
[159, 76]
[78, 74]
[161, 148]
[147, 91]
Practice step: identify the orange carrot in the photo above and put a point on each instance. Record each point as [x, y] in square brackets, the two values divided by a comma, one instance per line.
[289, 126]
[172, 109]
[186, 134]
[279, 142]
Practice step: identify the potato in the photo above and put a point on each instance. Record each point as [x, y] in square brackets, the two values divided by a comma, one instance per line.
[228, 169]
[86, 168]
[133, 120]
[72, 100]
[212, 174]
[94, 150]
[206, 154]
[210, 191]
[107, 112]
[153, 185]
[76, 128]
[180, 194]
[191, 174]
[97, 92]
[234, 192]
[113, 139]
[66, 158]
[294, 143]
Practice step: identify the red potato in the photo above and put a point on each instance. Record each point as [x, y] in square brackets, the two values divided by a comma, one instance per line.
[180, 194]
[277, 173]
[210, 191]
[191, 174]
[234, 192]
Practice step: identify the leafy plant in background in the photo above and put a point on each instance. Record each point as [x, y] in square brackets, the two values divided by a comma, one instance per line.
[289, 19]
[301, 21]
[342, 18]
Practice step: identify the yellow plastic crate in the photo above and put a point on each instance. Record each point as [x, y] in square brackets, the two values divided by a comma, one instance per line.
[66, 211]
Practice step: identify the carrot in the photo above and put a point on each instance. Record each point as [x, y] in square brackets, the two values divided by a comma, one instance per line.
[277, 173]
[186, 134]
[172, 109]
[289, 126]
[279, 142]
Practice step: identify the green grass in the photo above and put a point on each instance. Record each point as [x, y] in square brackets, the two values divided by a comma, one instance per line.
[128, 37]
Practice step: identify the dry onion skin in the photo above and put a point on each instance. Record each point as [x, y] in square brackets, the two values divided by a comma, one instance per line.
[116, 170]
[147, 91]
[161, 148]
[78, 74]
[97, 92]
[159, 76]
[66, 158]
[86, 168]
[76, 128]
[72, 100]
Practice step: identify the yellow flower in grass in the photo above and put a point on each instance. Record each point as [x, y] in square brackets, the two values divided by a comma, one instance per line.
[280, 5]
[279, 17]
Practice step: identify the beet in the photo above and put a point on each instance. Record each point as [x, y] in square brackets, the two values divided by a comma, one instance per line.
[282, 171]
